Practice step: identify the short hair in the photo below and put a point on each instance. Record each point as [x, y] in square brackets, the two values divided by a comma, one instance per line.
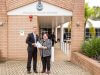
[45, 34]
[34, 27]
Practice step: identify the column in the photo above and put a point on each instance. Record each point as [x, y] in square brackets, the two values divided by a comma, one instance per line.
[56, 33]
[62, 32]
[61, 37]
[52, 49]
[56, 29]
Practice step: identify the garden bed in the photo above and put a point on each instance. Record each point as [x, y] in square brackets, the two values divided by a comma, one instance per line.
[87, 63]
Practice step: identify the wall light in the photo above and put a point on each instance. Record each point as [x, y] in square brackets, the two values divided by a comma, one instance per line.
[1, 24]
[78, 24]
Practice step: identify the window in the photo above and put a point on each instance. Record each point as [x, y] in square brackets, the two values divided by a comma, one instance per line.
[67, 35]
[87, 33]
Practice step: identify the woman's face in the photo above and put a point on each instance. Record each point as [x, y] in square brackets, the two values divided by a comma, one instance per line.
[45, 36]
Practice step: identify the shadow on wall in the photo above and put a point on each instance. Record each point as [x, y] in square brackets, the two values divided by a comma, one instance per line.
[2, 59]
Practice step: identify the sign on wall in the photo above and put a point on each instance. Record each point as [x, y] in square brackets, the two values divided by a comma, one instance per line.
[21, 32]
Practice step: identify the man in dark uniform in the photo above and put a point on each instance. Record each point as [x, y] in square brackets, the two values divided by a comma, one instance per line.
[32, 50]
[53, 38]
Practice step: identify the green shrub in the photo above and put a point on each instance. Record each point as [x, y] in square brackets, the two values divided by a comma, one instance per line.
[91, 47]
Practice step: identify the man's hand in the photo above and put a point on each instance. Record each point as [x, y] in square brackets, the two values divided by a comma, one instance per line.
[33, 44]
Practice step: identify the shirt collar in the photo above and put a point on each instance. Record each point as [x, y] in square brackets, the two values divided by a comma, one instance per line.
[34, 34]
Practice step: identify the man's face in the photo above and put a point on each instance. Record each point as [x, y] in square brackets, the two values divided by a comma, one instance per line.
[34, 29]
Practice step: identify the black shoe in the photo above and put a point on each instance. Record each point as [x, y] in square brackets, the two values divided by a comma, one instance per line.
[48, 72]
[43, 72]
[28, 72]
[35, 71]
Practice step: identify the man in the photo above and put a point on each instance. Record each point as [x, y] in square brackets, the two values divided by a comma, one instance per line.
[53, 38]
[32, 50]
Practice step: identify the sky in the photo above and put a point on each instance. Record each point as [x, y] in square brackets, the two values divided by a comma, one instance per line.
[93, 3]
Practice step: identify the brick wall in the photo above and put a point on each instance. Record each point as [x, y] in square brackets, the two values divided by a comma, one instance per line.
[77, 31]
[17, 47]
[13, 4]
[66, 4]
[3, 30]
[86, 63]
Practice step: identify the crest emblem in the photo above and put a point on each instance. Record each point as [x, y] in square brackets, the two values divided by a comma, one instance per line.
[39, 6]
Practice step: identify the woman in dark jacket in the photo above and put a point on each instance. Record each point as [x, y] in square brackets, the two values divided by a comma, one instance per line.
[46, 53]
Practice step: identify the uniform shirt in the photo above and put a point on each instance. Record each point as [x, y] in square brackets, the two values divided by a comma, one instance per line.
[34, 37]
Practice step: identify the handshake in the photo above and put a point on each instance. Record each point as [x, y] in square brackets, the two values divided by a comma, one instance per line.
[38, 45]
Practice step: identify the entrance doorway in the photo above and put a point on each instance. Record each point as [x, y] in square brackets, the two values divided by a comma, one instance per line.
[56, 25]
[45, 30]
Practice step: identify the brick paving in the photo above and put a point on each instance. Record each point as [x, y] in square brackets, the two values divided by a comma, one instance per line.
[59, 67]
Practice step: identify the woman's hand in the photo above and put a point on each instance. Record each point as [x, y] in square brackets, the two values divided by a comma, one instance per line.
[43, 47]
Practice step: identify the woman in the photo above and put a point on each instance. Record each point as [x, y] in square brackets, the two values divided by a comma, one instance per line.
[46, 53]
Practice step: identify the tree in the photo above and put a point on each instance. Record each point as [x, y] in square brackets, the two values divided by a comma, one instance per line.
[69, 26]
[89, 12]
[92, 30]
[97, 12]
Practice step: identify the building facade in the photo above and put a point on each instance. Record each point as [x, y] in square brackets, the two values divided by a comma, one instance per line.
[15, 23]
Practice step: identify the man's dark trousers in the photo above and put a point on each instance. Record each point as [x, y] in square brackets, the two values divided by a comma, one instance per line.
[32, 55]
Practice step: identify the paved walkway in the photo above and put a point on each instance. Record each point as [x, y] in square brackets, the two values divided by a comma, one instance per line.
[59, 67]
